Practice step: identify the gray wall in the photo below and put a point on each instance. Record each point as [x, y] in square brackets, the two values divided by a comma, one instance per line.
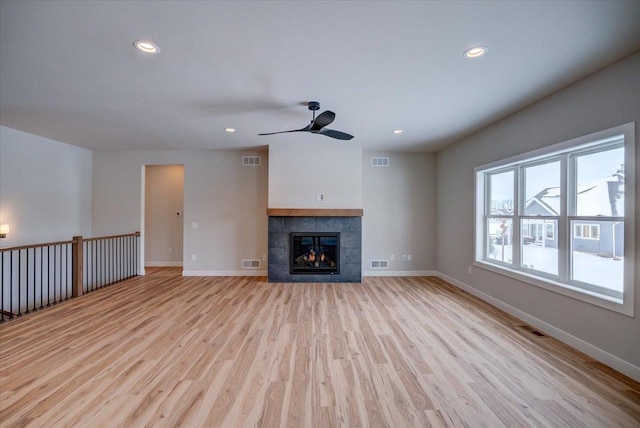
[45, 189]
[399, 212]
[601, 101]
[164, 199]
[226, 199]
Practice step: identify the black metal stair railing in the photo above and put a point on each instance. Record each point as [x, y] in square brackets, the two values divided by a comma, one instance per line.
[33, 277]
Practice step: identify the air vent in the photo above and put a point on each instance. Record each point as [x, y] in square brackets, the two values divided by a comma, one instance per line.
[379, 264]
[532, 331]
[379, 161]
[251, 160]
[250, 264]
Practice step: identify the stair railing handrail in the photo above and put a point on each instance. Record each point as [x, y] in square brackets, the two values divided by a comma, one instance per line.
[26, 247]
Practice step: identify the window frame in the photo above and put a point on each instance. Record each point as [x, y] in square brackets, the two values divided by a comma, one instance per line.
[566, 152]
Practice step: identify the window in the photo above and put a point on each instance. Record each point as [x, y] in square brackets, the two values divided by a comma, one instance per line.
[559, 218]
[550, 233]
[586, 231]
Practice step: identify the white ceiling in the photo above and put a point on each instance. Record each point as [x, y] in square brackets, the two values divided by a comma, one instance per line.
[68, 70]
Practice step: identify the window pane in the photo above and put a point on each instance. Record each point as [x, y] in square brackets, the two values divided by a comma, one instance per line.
[538, 251]
[499, 241]
[598, 258]
[542, 189]
[600, 179]
[501, 191]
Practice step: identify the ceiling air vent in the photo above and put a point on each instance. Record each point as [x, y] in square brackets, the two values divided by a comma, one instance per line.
[379, 264]
[250, 264]
[251, 160]
[379, 161]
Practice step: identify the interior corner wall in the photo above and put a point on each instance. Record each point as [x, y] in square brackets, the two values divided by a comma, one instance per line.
[228, 202]
[164, 213]
[399, 212]
[45, 189]
[299, 171]
[601, 101]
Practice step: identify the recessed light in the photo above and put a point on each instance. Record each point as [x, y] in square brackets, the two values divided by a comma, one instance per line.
[230, 130]
[475, 52]
[398, 131]
[146, 46]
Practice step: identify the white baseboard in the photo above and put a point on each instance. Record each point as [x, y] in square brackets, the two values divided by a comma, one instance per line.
[224, 273]
[384, 272]
[601, 355]
[162, 264]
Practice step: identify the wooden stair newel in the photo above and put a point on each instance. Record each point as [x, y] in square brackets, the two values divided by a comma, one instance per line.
[77, 266]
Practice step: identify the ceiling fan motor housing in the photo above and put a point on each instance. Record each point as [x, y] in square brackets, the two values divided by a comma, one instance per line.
[314, 105]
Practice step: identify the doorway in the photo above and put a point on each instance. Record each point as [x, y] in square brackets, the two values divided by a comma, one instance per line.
[163, 215]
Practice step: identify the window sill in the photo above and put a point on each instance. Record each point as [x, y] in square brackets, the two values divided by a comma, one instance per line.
[568, 290]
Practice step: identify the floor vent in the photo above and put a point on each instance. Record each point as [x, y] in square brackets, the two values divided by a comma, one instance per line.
[379, 161]
[379, 264]
[532, 331]
[251, 160]
[250, 264]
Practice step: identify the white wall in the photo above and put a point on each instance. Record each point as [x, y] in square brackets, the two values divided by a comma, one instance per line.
[299, 171]
[45, 189]
[226, 199]
[164, 202]
[601, 101]
[399, 212]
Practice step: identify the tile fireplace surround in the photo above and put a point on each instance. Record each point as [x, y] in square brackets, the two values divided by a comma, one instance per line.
[283, 221]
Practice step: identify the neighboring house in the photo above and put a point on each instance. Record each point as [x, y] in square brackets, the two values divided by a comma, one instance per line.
[600, 198]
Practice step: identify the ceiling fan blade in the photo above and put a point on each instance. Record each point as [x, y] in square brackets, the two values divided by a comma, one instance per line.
[284, 132]
[306, 128]
[322, 120]
[335, 134]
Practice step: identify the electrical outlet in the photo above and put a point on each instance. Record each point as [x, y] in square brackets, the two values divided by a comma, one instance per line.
[392, 257]
[194, 225]
[469, 269]
[170, 250]
[405, 258]
[409, 257]
[193, 256]
[319, 197]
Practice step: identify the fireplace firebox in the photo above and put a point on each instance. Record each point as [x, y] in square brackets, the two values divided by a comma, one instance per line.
[315, 253]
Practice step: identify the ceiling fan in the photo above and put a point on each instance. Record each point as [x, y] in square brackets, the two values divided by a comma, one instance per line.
[317, 125]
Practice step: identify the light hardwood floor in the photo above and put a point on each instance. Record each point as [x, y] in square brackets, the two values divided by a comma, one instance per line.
[163, 350]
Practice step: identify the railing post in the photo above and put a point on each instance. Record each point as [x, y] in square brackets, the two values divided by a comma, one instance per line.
[77, 266]
[136, 244]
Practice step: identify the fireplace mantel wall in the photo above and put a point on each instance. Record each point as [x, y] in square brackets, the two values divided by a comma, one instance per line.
[298, 172]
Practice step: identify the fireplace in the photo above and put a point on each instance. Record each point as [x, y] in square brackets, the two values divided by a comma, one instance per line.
[321, 230]
[314, 253]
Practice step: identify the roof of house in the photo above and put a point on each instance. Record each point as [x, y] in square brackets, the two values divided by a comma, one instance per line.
[597, 198]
